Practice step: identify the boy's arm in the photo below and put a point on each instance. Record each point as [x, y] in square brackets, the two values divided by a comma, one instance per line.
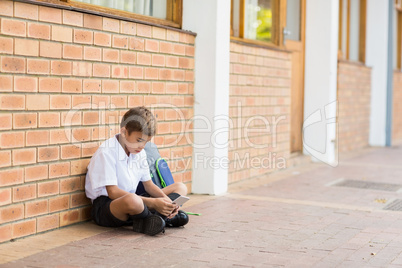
[114, 192]
[160, 201]
[153, 190]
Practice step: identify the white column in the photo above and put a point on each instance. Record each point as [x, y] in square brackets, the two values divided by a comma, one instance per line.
[210, 19]
[322, 23]
[377, 58]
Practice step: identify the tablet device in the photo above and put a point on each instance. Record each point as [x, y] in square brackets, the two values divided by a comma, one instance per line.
[181, 200]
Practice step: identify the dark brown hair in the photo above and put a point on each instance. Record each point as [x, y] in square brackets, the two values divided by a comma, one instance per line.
[139, 119]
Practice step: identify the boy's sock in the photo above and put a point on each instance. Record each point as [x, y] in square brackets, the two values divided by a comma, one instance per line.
[147, 223]
[145, 213]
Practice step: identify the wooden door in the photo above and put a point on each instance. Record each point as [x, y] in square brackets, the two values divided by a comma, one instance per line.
[295, 24]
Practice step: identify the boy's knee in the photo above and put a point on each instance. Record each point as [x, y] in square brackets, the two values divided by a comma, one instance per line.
[181, 188]
[134, 203]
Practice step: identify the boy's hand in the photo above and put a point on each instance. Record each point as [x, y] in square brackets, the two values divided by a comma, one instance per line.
[174, 212]
[164, 206]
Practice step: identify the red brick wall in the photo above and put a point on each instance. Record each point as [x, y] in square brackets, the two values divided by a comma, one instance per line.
[259, 111]
[354, 85]
[66, 78]
[397, 109]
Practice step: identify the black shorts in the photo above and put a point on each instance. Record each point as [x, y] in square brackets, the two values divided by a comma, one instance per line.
[102, 215]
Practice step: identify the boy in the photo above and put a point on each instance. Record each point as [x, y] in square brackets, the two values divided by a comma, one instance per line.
[114, 172]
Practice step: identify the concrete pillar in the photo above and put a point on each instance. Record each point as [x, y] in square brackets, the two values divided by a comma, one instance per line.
[319, 129]
[210, 19]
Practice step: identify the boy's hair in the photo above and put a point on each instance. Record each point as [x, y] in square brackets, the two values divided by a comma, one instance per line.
[139, 119]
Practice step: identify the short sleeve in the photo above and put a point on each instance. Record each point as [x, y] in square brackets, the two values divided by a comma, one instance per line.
[146, 175]
[102, 169]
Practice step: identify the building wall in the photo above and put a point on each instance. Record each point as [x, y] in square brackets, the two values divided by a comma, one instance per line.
[259, 111]
[354, 85]
[66, 78]
[397, 109]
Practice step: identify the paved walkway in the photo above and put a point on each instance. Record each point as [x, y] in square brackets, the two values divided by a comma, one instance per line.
[295, 218]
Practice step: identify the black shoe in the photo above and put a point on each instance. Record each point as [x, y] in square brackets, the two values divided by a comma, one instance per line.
[150, 225]
[179, 220]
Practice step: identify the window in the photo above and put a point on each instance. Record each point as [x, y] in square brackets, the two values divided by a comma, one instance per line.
[398, 35]
[352, 30]
[257, 20]
[156, 12]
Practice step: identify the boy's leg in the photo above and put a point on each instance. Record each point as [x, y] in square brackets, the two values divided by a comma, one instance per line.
[177, 187]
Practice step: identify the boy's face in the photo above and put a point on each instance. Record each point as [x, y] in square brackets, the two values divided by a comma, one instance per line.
[134, 142]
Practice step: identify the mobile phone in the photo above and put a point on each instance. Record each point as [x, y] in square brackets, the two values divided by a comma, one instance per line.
[181, 200]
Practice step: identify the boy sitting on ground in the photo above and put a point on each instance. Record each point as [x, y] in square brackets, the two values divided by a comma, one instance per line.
[114, 172]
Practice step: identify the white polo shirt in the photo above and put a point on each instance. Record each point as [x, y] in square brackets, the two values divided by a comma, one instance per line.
[110, 165]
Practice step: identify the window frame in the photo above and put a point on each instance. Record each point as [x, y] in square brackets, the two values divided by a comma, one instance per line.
[362, 32]
[174, 11]
[278, 19]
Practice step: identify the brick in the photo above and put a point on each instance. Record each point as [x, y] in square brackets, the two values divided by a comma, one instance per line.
[48, 222]
[36, 208]
[127, 27]
[11, 177]
[38, 67]
[72, 52]
[89, 149]
[5, 158]
[26, 11]
[73, 18]
[179, 49]
[24, 120]
[143, 58]
[49, 119]
[82, 102]
[82, 68]
[165, 74]
[178, 75]
[49, 84]
[93, 22]
[24, 228]
[37, 172]
[26, 47]
[81, 134]
[7, 8]
[48, 188]
[158, 60]
[144, 30]
[50, 49]
[71, 118]
[61, 67]
[12, 140]
[70, 151]
[111, 25]
[166, 47]
[135, 72]
[59, 203]
[6, 122]
[136, 43]
[172, 61]
[91, 118]
[128, 57]
[37, 102]
[6, 83]
[12, 65]
[158, 33]
[190, 51]
[69, 217]
[79, 167]
[102, 39]
[5, 230]
[144, 87]
[151, 73]
[12, 213]
[92, 53]
[24, 156]
[119, 101]
[70, 185]
[119, 71]
[59, 170]
[111, 55]
[6, 45]
[49, 14]
[110, 86]
[127, 86]
[158, 88]
[83, 37]
[23, 193]
[5, 196]
[71, 85]
[151, 45]
[13, 27]
[60, 102]
[79, 200]
[100, 101]
[48, 153]
[120, 42]
[62, 34]
[92, 86]
[135, 101]
[35, 138]
[101, 70]
[40, 31]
